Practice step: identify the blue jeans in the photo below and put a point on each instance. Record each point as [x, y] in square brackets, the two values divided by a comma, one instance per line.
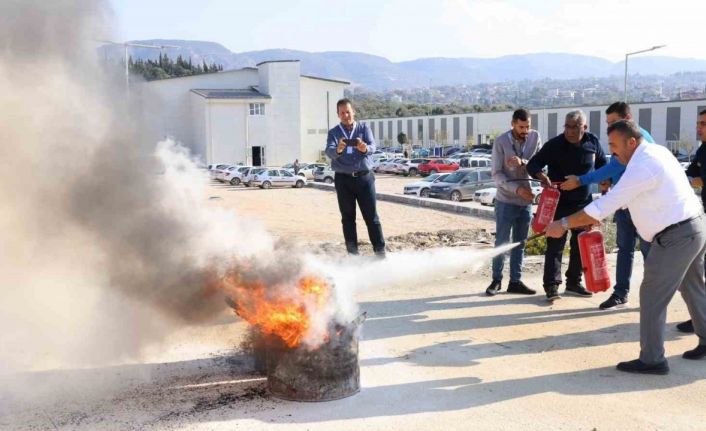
[626, 238]
[515, 218]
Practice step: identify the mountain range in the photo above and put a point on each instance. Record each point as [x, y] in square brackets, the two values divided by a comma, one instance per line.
[379, 74]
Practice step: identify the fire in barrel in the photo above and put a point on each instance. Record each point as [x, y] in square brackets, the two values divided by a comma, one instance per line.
[309, 356]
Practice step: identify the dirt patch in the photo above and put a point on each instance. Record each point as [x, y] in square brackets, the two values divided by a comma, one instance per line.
[481, 238]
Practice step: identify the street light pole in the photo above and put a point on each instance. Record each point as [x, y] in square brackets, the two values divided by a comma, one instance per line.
[626, 66]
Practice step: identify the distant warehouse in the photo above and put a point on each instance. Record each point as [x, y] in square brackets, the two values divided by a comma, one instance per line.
[672, 124]
[268, 115]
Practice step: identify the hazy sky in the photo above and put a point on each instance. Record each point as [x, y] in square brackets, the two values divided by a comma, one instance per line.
[409, 29]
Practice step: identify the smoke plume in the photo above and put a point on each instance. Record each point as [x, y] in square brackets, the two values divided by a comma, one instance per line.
[108, 241]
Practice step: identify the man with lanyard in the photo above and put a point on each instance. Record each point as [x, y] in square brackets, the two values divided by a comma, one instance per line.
[626, 235]
[697, 176]
[667, 213]
[350, 146]
[574, 152]
[513, 201]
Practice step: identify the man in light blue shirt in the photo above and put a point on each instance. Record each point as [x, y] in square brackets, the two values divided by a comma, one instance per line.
[626, 235]
[350, 146]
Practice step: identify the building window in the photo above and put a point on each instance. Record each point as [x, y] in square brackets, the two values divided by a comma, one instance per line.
[257, 109]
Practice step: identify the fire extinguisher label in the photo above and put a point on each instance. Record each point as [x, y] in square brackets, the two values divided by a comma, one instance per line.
[598, 264]
[546, 216]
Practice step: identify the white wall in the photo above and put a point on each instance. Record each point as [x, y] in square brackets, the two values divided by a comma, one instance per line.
[227, 132]
[199, 116]
[318, 114]
[280, 79]
[492, 123]
[174, 103]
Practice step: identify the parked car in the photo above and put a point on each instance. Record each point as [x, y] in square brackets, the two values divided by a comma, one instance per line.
[268, 178]
[235, 176]
[378, 162]
[487, 196]
[214, 170]
[247, 179]
[479, 152]
[422, 187]
[308, 170]
[221, 175]
[437, 165]
[475, 162]
[462, 184]
[411, 168]
[386, 167]
[324, 174]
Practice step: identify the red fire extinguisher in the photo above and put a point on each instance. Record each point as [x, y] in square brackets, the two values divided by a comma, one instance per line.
[593, 261]
[548, 202]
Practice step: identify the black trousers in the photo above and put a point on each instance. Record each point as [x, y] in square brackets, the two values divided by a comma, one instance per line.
[350, 190]
[555, 250]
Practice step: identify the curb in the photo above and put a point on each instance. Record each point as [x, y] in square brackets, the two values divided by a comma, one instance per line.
[435, 204]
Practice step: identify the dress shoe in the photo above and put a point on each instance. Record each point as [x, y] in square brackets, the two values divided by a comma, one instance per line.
[687, 327]
[697, 353]
[637, 366]
[520, 287]
[578, 290]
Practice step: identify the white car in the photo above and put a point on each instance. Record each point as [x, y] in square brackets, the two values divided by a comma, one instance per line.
[390, 166]
[422, 187]
[247, 178]
[235, 176]
[411, 167]
[214, 170]
[324, 174]
[221, 175]
[268, 178]
[487, 196]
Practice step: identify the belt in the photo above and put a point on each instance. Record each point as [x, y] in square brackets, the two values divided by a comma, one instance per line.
[675, 225]
[354, 174]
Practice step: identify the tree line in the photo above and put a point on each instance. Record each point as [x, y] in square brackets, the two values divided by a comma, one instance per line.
[165, 67]
[372, 106]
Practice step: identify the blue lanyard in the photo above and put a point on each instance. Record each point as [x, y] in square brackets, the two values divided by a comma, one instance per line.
[344, 130]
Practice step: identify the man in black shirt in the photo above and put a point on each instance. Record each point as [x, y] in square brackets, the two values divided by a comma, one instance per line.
[574, 152]
[697, 174]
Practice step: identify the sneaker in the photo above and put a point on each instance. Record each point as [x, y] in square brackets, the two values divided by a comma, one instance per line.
[637, 366]
[552, 293]
[687, 327]
[613, 302]
[697, 353]
[520, 288]
[493, 289]
[578, 290]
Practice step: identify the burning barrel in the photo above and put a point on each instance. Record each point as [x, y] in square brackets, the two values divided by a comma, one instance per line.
[327, 372]
[323, 370]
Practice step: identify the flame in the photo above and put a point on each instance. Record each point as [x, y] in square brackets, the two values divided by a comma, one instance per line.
[283, 312]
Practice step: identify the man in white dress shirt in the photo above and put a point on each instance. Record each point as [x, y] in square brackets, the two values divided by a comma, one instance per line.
[667, 213]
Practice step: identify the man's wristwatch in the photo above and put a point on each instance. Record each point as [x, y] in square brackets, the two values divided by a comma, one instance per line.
[565, 223]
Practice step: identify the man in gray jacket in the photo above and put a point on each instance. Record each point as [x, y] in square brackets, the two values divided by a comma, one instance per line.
[513, 201]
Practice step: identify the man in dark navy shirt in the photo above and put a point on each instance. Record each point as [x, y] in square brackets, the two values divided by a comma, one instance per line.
[350, 146]
[697, 176]
[574, 152]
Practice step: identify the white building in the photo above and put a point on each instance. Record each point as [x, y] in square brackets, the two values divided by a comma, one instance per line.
[269, 115]
[671, 123]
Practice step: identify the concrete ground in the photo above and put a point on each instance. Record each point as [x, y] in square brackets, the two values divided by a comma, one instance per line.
[437, 355]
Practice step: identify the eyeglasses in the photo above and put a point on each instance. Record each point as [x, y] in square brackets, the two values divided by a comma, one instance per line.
[575, 127]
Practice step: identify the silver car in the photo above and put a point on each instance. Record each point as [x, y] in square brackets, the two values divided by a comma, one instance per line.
[277, 178]
[324, 174]
[462, 184]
